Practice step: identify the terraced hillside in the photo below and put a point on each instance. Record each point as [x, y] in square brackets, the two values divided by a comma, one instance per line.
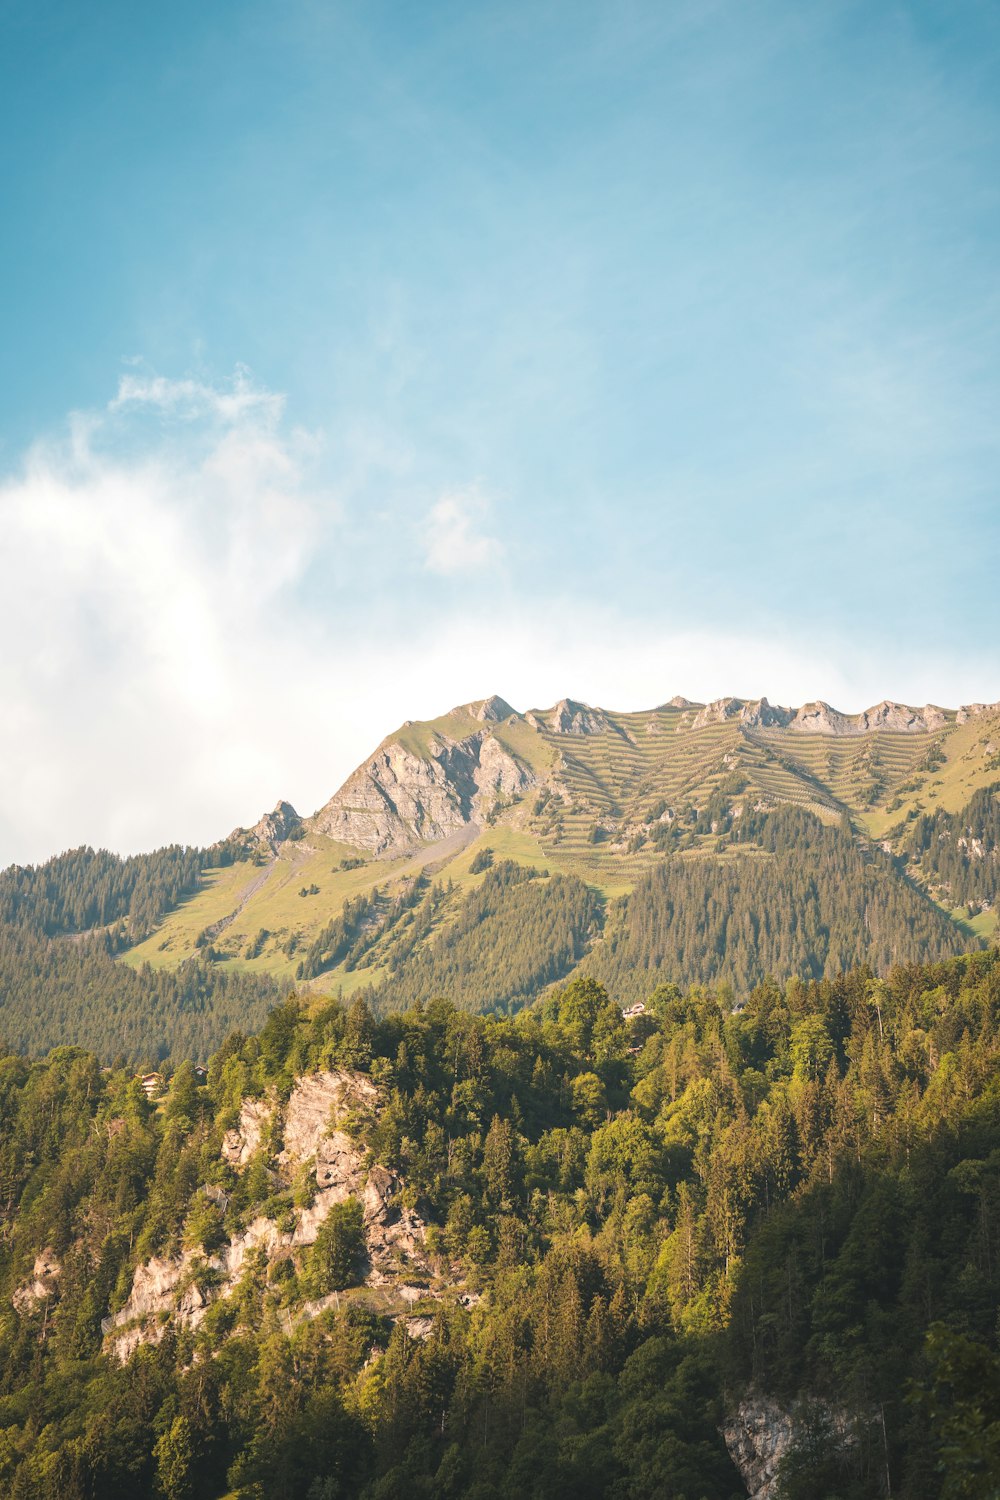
[371, 891]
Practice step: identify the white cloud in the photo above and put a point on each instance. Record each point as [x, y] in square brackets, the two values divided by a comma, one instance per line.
[453, 541]
[138, 575]
[194, 398]
[166, 673]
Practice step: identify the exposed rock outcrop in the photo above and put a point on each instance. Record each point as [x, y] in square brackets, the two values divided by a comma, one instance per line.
[754, 714]
[318, 1106]
[760, 714]
[975, 711]
[240, 1143]
[493, 710]
[717, 712]
[399, 799]
[759, 1434]
[270, 830]
[42, 1283]
[820, 718]
[181, 1288]
[569, 717]
[900, 718]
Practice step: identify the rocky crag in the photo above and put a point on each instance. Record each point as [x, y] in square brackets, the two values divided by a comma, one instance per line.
[179, 1289]
[759, 1433]
[402, 797]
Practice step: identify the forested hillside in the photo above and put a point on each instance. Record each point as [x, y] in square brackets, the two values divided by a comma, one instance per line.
[874, 838]
[958, 854]
[86, 889]
[792, 896]
[61, 924]
[505, 852]
[495, 948]
[779, 891]
[621, 1233]
[782, 893]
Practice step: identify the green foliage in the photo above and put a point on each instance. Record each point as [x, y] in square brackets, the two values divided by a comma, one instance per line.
[509, 938]
[348, 938]
[84, 889]
[55, 988]
[959, 1399]
[802, 1193]
[336, 1256]
[799, 897]
[958, 854]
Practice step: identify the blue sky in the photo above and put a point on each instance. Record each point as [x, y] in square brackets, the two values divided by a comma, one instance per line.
[358, 359]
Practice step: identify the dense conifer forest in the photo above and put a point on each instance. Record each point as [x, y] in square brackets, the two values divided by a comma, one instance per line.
[58, 988]
[786, 894]
[959, 853]
[62, 924]
[775, 891]
[86, 889]
[798, 1196]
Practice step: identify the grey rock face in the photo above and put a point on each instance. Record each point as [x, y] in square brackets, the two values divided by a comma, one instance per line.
[820, 718]
[270, 830]
[763, 715]
[569, 717]
[239, 1144]
[398, 800]
[492, 710]
[717, 712]
[755, 714]
[758, 1435]
[759, 1432]
[975, 711]
[41, 1284]
[169, 1288]
[898, 717]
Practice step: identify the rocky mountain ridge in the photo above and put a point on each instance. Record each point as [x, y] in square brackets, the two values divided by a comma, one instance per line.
[362, 891]
[430, 780]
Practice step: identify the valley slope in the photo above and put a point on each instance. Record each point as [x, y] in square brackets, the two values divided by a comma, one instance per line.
[610, 810]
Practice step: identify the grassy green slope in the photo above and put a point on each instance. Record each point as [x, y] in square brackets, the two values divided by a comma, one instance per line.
[597, 813]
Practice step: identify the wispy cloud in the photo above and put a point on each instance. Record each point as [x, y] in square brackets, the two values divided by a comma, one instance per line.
[455, 540]
[183, 656]
[239, 400]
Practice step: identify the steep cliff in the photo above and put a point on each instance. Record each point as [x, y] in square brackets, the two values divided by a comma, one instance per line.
[399, 798]
[179, 1289]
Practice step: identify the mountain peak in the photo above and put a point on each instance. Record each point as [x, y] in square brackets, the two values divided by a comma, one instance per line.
[492, 710]
[569, 717]
[272, 829]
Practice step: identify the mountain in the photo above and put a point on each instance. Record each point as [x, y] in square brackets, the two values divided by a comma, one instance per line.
[452, 775]
[857, 820]
[687, 1253]
[485, 855]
